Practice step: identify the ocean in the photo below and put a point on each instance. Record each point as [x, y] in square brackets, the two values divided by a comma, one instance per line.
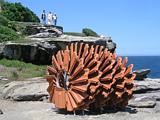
[146, 62]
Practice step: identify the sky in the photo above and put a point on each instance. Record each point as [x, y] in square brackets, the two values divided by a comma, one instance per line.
[134, 25]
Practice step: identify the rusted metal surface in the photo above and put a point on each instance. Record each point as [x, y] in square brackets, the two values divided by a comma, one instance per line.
[89, 77]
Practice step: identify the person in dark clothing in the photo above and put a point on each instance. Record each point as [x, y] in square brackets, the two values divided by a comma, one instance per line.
[43, 17]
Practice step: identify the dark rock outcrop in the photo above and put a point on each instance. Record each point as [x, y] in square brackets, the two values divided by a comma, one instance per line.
[108, 43]
[141, 74]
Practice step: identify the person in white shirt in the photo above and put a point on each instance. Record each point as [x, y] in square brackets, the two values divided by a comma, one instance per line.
[55, 19]
[50, 18]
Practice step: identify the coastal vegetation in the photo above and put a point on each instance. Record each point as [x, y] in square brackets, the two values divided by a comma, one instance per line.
[3, 20]
[11, 14]
[89, 32]
[18, 70]
[14, 18]
[17, 12]
[7, 34]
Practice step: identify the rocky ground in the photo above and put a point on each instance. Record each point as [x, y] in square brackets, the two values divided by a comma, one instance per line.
[28, 100]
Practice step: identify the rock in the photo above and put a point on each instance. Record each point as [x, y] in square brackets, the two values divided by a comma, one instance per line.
[67, 39]
[141, 74]
[142, 104]
[43, 31]
[1, 112]
[43, 35]
[37, 53]
[3, 78]
[108, 43]
[147, 85]
[147, 93]
[152, 95]
[29, 90]
[29, 110]
[41, 51]
[2, 45]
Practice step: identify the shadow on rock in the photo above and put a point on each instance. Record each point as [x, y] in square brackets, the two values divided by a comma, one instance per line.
[1, 112]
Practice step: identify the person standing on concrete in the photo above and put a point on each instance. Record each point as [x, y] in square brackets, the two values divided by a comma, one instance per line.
[50, 18]
[43, 17]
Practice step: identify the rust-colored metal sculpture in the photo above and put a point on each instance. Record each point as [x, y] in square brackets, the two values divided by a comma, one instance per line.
[89, 77]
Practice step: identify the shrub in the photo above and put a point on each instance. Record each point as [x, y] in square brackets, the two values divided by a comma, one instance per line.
[17, 12]
[89, 32]
[18, 27]
[3, 20]
[7, 34]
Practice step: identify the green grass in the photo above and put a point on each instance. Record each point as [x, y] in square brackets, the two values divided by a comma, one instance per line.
[19, 70]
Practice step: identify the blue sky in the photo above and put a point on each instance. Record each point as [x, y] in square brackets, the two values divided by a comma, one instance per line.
[133, 24]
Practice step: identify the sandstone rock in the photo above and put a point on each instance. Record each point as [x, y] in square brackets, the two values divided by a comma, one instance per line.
[14, 110]
[36, 110]
[41, 51]
[38, 53]
[43, 31]
[142, 104]
[141, 74]
[152, 95]
[3, 78]
[147, 85]
[30, 90]
[147, 93]
[43, 35]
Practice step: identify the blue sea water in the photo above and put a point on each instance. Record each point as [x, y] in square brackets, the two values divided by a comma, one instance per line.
[146, 62]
